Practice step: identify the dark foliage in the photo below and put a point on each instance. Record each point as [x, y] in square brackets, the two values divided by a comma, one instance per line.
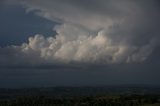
[132, 100]
[79, 96]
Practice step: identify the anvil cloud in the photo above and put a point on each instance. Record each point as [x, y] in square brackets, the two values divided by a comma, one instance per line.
[90, 31]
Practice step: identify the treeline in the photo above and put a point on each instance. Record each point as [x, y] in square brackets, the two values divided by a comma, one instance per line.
[123, 100]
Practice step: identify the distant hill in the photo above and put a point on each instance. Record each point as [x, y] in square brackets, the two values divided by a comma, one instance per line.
[81, 96]
[79, 91]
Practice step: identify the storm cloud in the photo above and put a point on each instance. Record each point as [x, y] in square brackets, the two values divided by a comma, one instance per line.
[91, 31]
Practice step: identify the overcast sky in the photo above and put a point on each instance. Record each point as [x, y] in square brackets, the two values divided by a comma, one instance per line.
[76, 43]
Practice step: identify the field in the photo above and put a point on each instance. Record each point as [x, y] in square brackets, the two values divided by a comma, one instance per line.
[81, 96]
[156, 104]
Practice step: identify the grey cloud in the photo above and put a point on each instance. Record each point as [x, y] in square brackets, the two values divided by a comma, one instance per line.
[91, 31]
[124, 20]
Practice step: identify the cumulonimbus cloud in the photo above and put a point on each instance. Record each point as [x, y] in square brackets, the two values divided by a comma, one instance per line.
[105, 32]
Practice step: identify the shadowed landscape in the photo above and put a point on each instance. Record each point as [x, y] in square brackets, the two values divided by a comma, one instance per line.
[81, 96]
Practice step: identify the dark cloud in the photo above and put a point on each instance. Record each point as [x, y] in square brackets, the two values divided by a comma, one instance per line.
[95, 75]
[90, 32]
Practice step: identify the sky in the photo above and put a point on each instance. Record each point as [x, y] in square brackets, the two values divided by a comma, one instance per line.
[79, 43]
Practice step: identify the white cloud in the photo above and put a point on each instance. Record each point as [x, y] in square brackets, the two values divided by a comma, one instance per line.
[104, 32]
[65, 47]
